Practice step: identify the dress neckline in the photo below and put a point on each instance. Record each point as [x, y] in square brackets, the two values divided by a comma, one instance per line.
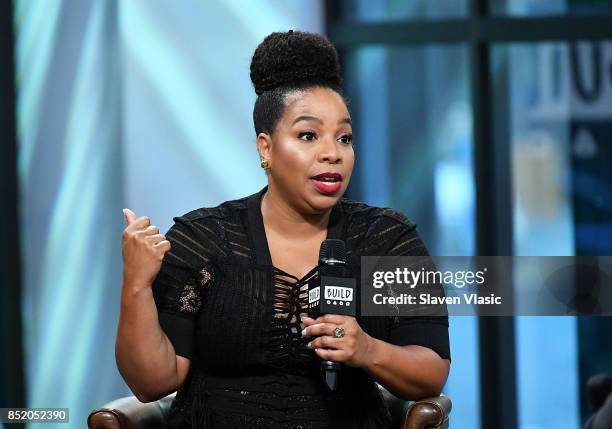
[262, 250]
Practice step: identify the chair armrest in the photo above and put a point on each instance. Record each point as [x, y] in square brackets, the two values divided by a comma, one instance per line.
[130, 413]
[428, 413]
[423, 414]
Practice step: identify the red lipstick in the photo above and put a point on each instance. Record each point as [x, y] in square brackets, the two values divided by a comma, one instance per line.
[327, 183]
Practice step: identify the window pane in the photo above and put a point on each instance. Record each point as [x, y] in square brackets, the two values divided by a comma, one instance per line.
[413, 142]
[394, 10]
[555, 101]
[550, 7]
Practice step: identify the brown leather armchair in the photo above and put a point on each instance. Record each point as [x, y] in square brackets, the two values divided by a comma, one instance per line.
[130, 413]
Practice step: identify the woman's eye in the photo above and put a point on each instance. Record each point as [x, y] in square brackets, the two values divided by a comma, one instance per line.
[347, 138]
[307, 135]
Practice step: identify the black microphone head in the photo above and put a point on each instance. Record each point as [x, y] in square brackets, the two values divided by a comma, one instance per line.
[332, 250]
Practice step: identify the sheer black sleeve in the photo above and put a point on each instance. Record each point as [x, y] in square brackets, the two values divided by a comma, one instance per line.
[426, 331]
[186, 271]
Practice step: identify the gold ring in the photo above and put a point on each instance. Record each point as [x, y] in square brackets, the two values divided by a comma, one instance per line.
[338, 332]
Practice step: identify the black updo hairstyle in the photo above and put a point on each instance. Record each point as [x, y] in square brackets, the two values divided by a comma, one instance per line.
[286, 62]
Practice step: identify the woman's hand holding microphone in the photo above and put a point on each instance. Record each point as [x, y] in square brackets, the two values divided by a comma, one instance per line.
[353, 348]
[143, 249]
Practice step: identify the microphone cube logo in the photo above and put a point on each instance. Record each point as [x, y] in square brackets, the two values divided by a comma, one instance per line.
[338, 293]
[338, 296]
[314, 295]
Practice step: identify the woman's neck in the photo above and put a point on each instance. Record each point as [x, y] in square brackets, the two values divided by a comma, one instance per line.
[286, 220]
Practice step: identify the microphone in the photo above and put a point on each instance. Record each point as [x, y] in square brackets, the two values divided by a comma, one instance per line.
[334, 293]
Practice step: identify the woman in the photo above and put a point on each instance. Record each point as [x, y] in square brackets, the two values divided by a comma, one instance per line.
[216, 308]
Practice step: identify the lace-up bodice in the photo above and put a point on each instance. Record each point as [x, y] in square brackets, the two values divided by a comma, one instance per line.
[237, 317]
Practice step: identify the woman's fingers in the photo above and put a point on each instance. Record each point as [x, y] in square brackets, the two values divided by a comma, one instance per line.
[327, 342]
[333, 355]
[306, 321]
[139, 227]
[319, 329]
[130, 216]
[140, 223]
[151, 230]
[163, 245]
[155, 238]
[134, 223]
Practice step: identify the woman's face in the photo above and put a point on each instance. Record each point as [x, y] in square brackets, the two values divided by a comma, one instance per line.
[313, 137]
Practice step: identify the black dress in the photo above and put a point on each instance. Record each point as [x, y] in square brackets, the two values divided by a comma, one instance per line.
[224, 306]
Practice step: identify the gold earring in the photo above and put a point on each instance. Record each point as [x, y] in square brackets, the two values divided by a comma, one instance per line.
[265, 164]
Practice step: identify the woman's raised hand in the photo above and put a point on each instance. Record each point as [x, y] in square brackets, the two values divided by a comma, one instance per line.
[143, 250]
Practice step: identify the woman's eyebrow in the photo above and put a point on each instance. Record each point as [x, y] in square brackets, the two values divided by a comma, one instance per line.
[315, 119]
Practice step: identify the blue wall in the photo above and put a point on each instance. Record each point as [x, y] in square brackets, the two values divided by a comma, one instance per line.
[122, 104]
